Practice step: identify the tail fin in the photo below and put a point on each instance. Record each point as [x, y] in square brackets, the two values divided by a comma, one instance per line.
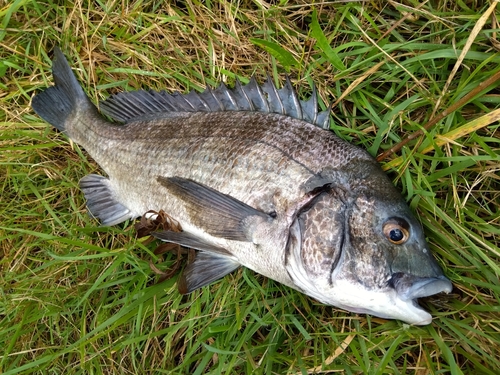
[56, 103]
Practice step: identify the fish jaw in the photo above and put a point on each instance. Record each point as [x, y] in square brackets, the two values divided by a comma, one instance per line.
[387, 304]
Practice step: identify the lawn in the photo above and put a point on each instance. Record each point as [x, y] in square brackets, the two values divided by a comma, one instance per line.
[414, 83]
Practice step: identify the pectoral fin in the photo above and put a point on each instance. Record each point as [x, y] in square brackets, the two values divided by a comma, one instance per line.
[218, 214]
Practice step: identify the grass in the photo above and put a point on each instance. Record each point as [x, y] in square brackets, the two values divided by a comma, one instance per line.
[80, 299]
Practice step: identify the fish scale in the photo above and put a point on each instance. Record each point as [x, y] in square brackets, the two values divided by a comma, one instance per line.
[254, 179]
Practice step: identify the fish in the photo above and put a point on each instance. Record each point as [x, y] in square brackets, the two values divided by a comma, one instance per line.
[255, 178]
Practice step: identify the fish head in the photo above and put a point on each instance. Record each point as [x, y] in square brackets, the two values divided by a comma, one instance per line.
[361, 249]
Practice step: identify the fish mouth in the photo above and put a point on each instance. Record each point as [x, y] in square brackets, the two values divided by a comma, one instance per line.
[426, 287]
[410, 287]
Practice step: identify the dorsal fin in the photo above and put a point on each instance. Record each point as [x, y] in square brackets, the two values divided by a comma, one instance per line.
[130, 106]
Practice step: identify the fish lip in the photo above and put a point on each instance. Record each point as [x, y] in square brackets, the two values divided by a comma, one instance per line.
[425, 287]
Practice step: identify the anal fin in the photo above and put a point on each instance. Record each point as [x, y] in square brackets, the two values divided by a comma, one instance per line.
[206, 268]
[101, 200]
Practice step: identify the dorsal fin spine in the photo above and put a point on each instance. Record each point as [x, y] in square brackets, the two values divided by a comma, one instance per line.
[264, 100]
[255, 95]
[179, 96]
[314, 101]
[242, 91]
[228, 93]
[219, 103]
[295, 100]
[274, 96]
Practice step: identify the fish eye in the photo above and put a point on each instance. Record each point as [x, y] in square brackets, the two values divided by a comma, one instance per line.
[396, 231]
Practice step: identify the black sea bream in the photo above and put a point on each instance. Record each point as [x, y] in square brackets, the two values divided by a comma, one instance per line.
[254, 178]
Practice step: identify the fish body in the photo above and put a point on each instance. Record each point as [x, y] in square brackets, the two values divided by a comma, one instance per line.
[254, 179]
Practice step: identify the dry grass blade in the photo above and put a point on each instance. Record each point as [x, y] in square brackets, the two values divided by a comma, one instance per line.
[466, 129]
[336, 353]
[357, 82]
